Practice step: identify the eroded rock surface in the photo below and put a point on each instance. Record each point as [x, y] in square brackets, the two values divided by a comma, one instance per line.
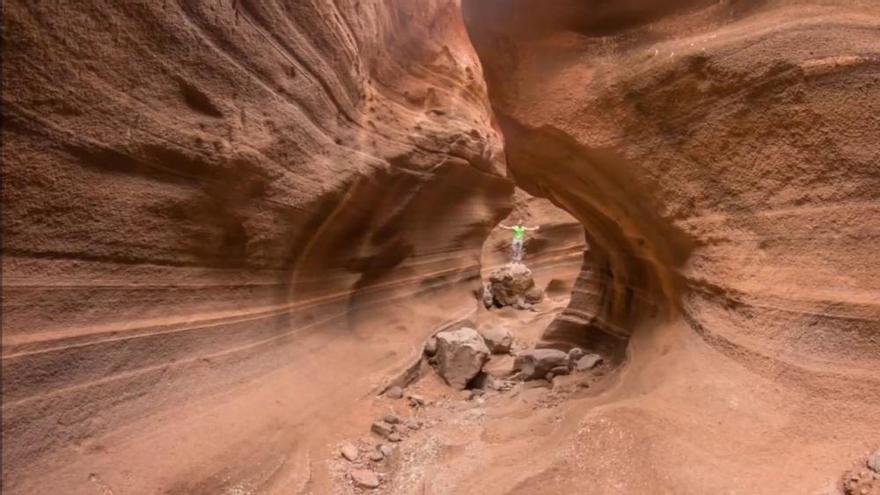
[198, 198]
[512, 285]
[721, 158]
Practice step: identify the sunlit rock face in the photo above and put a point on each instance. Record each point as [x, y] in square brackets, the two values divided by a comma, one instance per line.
[722, 157]
[200, 199]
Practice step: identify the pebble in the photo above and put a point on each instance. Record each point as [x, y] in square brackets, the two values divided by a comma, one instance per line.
[349, 451]
[365, 479]
[386, 450]
[375, 456]
[394, 392]
[391, 419]
[394, 437]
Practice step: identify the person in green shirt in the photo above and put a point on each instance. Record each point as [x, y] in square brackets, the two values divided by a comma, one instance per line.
[519, 238]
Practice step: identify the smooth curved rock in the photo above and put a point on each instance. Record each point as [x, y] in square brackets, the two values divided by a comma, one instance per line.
[537, 363]
[199, 199]
[721, 157]
[497, 338]
[364, 478]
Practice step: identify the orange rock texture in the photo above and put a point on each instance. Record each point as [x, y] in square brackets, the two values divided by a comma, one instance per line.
[723, 159]
[200, 196]
[226, 224]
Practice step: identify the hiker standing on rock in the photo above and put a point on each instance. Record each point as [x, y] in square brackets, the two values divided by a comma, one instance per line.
[519, 238]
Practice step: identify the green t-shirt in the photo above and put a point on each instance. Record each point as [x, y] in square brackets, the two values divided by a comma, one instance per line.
[519, 233]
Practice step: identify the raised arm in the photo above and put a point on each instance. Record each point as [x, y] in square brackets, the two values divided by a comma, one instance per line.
[504, 226]
[533, 228]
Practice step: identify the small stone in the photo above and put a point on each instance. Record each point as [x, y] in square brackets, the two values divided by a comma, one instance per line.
[416, 400]
[549, 376]
[392, 419]
[394, 392]
[413, 425]
[575, 353]
[386, 450]
[382, 429]
[467, 394]
[349, 451]
[431, 346]
[588, 362]
[375, 456]
[874, 461]
[498, 339]
[394, 437]
[364, 478]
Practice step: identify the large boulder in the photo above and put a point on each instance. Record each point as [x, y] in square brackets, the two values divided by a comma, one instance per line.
[536, 363]
[512, 285]
[498, 339]
[460, 356]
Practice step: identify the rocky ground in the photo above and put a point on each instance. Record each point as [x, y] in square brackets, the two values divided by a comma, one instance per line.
[427, 436]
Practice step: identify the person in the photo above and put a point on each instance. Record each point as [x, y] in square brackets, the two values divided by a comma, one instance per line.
[519, 238]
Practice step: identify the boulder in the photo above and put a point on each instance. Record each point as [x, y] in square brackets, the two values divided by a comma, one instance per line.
[536, 363]
[498, 339]
[512, 285]
[365, 478]
[461, 355]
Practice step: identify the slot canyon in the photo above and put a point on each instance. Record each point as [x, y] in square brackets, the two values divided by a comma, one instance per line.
[236, 233]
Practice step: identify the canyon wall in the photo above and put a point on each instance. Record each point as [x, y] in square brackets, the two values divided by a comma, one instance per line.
[723, 159]
[212, 213]
[719, 157]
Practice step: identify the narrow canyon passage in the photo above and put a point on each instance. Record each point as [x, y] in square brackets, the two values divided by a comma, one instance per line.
[229, 227]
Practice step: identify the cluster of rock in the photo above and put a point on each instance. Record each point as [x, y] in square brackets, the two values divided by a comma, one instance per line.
[864, 481]
[458, 356]
[512, 285]
[547, 363]
[391, 429]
